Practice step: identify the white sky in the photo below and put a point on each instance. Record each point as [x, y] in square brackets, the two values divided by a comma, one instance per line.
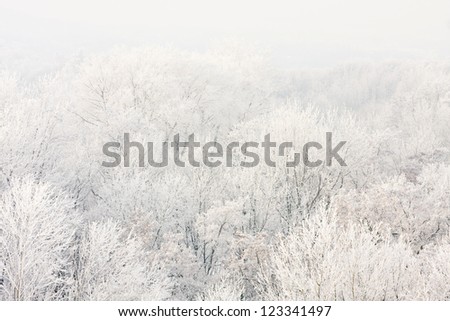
[299, 33]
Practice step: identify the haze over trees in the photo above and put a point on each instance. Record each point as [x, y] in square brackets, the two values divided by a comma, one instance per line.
[376, 229]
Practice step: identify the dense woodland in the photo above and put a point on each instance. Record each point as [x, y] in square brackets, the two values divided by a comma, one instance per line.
[377, 229]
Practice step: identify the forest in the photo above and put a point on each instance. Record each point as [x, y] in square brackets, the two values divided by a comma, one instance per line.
[376, 229]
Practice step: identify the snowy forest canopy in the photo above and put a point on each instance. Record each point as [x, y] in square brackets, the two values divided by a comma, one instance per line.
[376, 229]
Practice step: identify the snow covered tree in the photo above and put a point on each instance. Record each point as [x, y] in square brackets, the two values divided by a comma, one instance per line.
[37, 235]
[112, 265]
[331, 259]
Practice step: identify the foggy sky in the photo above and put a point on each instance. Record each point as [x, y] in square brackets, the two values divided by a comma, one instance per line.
[298, 33]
